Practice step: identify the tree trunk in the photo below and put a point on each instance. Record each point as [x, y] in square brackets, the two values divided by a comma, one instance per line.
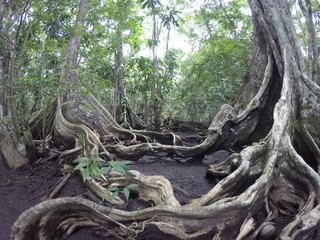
[121, 109]
[167, 41]
[270, 189]
[17, 142]
[152, 102]
[313, 54]
[10, 150]
[118, 85]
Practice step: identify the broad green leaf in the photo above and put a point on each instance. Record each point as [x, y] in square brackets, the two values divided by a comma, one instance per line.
[94, 169]
[112, 189]
[85, 173]
[80, 159]
[112, 163]
[126, 193]
[114, 195]
[119, 169]
[97, 159]
[122, 163]
[104, 170]
[80, 165]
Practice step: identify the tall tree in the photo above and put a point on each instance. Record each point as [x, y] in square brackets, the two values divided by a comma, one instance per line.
[118, 90]
[313, 54]
[17, 143]
[171, 17]
[156, 29]
[270, 189]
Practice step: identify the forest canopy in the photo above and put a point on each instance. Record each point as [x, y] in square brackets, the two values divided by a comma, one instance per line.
[213, 53]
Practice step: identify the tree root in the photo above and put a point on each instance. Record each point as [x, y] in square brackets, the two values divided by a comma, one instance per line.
[155, 190]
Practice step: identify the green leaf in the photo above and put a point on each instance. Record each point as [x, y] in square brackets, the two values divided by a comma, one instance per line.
[122, 163]
[135, 214]
[126, 193]
[145, 5]
[112, 189]
[132, 185]
[119, 169]
[119, 165]
[94, 169]
[84, 105]
[104, 170]
[85, 173]
[114, 195]
[97, 159]
[80, 165]
[112, 163]
[80, 159]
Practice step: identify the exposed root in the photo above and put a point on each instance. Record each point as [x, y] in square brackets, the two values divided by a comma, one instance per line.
[101, 192]
[155, 190]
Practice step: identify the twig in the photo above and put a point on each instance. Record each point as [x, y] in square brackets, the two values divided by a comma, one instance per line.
[60, 185]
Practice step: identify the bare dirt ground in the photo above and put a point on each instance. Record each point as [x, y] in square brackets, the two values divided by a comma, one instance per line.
[22, 188]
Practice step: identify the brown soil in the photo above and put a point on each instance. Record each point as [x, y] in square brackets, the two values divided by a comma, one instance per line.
[21, 189]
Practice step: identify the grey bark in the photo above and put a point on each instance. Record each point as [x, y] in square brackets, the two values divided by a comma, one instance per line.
[313, 55]
[68, 76]
[118, 91]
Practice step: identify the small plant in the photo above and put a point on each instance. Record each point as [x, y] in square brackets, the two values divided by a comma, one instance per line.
[125, 191]
[81, 140]
[91, 168]
[135, 214]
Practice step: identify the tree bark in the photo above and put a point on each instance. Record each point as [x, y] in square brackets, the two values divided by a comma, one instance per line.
[313, 54]
[10, 150]
[118, 91]
[153, 102]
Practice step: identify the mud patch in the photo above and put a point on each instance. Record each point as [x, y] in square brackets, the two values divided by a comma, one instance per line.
[188, 179]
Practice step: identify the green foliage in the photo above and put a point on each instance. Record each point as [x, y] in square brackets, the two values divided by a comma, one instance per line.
[150, 4]
[135, 214]
[91, 167]
[212, 75]
[52, 23]
[125, 191]
[219, 33]
[81, 139]
[171, 16]
[138, 73]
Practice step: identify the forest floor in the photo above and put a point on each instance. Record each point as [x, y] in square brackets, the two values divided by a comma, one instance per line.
[21, 189]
